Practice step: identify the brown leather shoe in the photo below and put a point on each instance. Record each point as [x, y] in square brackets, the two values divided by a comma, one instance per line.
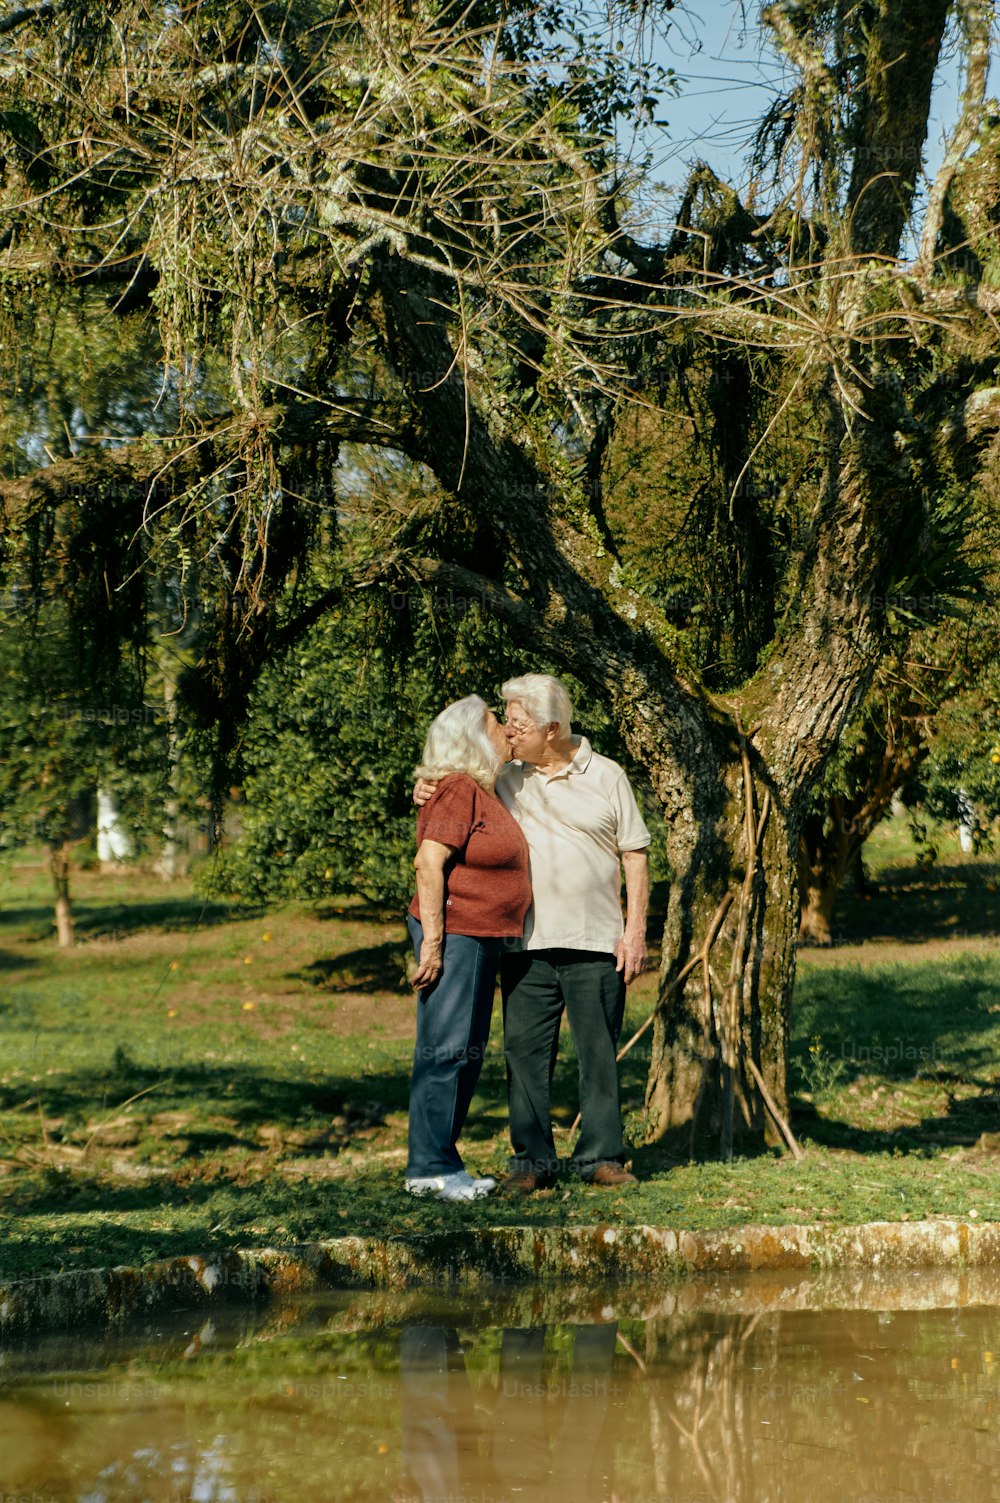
[611, 1176]
[525, 1182]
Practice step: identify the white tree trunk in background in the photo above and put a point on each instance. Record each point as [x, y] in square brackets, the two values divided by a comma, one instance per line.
[113, 843]
[168, 865]
[966, 822]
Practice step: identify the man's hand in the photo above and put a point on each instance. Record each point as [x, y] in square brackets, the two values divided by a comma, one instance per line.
[423, 788]
[631, 955]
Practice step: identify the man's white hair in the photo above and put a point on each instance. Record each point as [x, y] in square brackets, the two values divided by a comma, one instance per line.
[543, 697]
[458, 741]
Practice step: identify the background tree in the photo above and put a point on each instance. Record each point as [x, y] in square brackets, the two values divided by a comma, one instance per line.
[60, 741]
[959, 782]
[335, 728]
[924, 686]
[408, 227]
[87, 643]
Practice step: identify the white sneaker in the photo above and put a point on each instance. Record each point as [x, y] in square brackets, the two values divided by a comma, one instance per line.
[457, 1186]
[481, 1186]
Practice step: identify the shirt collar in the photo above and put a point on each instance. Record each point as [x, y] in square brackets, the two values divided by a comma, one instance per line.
[580, 762]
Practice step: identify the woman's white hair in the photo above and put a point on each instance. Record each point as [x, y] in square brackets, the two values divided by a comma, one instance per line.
[458, 741]
[543, 697]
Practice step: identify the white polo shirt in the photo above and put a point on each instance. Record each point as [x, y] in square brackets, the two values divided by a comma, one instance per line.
[577, 821]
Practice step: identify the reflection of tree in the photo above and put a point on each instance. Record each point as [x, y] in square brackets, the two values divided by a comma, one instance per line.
[707, 1416]
[778, 1407]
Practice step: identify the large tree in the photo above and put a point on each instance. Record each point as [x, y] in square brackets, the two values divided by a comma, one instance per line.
[409, 227]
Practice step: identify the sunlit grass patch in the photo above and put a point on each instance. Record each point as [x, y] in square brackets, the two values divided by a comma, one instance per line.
[191, 1078]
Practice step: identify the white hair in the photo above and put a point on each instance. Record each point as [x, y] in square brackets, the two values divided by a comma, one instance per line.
[543, 697]
[458, 741]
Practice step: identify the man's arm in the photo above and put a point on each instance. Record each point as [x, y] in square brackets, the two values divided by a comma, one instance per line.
[631, 952]
[422, 790]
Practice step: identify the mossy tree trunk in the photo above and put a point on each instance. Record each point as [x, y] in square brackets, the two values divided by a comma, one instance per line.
[730, 934]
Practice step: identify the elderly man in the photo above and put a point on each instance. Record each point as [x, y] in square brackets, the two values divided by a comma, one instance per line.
[579, 816]
[580, 819]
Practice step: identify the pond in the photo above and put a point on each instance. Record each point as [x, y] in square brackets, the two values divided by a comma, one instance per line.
[738, 1390]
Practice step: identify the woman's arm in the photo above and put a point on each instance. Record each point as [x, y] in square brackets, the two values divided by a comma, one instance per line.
[430, 862]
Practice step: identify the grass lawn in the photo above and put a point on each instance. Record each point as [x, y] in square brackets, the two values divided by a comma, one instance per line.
[194, 1076]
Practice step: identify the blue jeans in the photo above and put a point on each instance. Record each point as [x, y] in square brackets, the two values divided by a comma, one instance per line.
[453, 1026]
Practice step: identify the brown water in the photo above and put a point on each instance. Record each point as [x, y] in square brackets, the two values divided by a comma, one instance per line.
[745, 1391]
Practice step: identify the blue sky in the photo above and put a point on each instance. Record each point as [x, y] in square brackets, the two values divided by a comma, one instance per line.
[729, 77]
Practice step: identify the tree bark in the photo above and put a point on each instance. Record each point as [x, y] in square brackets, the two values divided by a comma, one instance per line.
[735, 1002]
[827, 850]
[831, 840]
[59, 867]
[904, 43]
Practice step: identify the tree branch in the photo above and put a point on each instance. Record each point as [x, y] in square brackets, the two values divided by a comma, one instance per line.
[140, 462]
[290, 633]
[574, 603]
[27, 13]
[832, 642]
[900, 63]
[976, 17]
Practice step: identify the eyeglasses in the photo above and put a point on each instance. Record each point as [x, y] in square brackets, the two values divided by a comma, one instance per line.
[519, 727]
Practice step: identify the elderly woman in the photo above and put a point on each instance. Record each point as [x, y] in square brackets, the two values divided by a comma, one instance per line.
[473, 892]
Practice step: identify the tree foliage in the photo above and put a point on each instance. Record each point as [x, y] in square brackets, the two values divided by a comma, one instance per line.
[335, 728]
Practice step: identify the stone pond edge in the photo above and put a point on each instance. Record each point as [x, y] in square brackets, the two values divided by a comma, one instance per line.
[466, 1260]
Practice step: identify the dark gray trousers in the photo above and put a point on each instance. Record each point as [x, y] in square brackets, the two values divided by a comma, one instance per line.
[536, 986]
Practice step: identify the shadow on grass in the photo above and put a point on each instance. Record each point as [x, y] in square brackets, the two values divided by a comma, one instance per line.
[359, 911]
[911, 906]
[11, 961]
[74, 1220]
[897, 1022]
[248, 1096]
[377, 968]
[118, 920]
[935, 1024]
[207, 1200]
[964, 1123]
[245, 1094]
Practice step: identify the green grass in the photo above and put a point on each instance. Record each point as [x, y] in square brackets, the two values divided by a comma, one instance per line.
[915, 900]
[194, 1076]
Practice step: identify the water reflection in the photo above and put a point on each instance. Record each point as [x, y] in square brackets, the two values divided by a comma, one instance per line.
[541, 1435]
[581, 1397]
